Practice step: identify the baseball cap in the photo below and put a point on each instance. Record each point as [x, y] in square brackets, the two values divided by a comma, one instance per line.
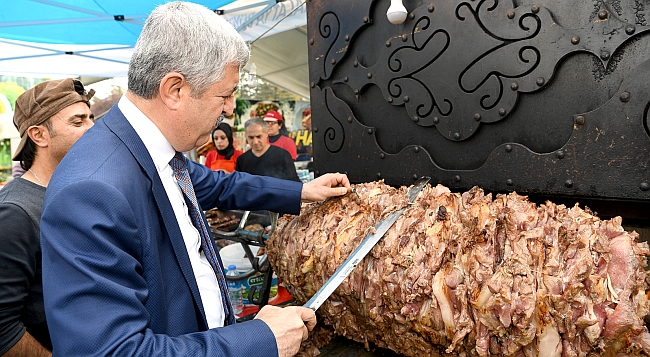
[272, 115]
[43, 101]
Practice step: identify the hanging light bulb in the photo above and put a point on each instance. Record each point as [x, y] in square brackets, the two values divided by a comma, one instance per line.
[396, 13]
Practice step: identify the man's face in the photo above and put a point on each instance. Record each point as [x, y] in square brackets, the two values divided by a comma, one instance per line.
[200, 114]
[272, 128]
[257, 139]
[68, 126]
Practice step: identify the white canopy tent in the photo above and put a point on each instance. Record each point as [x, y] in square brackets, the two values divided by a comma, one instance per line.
[276, 30]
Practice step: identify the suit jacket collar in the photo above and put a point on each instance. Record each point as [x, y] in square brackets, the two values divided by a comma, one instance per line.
[119, 125]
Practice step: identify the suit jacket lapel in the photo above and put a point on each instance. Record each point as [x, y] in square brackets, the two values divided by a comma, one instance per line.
[118, 124]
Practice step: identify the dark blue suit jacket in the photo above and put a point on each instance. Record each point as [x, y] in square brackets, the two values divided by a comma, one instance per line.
[117, 278]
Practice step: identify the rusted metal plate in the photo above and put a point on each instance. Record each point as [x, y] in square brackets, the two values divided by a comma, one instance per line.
[545, 98]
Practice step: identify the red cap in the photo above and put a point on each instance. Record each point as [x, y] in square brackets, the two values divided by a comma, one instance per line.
[272, 115]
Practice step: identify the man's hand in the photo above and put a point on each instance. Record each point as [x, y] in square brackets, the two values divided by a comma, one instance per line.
[325, 186]
[290, 325]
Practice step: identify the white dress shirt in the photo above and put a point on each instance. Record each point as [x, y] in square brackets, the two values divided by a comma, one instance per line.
[161, 152]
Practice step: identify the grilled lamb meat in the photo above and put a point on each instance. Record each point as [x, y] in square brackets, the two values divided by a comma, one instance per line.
[466, 274]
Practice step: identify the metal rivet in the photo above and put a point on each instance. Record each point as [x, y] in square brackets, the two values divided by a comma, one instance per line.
[568, 183]
[508, 148]
[388, 43]
[604, 55]
[602, 14]
[311, 41]
[415, 176]
[313, 84]
[333, 60]
[365, 19]
[389, 100]
[575, 40]
[356, 92]
[580, 120]
[502, 112]
[378, 174]
[436, 120]
[560, 154]
[317, 173]
[477, 117]
[644, 186]
[404, 38]
[535, 9]
[382, 155]
[625, 96]
[416, 149]
[347, 37]
[430, 8]
[369, 75]
[514, 86]
[540, 81]
[349, 119]
[511, 14]
[509, 182]
[630, 29]
[457, 178]
[416, 119]
[456, 136]
[406, 99]
[345, 79]
[315, 130]
[412, 16]
[355, 63]
[370, 131]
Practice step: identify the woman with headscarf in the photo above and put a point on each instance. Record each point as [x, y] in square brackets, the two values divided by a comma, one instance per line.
[225, 157]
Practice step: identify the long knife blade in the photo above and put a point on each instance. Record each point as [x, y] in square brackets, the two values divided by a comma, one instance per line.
[362, 250]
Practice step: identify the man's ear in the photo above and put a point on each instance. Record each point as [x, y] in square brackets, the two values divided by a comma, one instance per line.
[39, 135]
[172, 89]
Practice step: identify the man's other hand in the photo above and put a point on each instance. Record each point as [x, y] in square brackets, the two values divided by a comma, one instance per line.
[325, 186]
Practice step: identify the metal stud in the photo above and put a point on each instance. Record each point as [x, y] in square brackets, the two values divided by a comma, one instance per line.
[412, 16]
[382, 156]
[514, 86]
[389, 100]
[502, 112]
[378, 174]
[315, 129]
[456, 136]
[534, 8]
[388, 43]
[511, 14]
[508, 148]
[370, 131]
[349, 119]
[630, 29]
[313, 84]
[415, 176]
[356, 92]
[406, 99]
[436, 120]
[575, 40]
[416, 119]
[560, 154]
[355, 63]
[509, 182]
[311, 41]
[625, 97]
[404, 38]
[347, 38]
[369, 75]
[580, 120]
[477, 117]
[644, 186]
[333, 60]
[345, 79]
[366, 19]
[416, 149]
[602, 14]
[604, 55]
[457, 178]
[540, 81]
[430, 8]
[568, 183]
[317, 173]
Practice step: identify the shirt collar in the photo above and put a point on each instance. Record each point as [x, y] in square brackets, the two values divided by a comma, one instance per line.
[159, 148]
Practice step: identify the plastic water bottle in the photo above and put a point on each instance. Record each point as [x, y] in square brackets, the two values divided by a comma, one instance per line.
[234, 291]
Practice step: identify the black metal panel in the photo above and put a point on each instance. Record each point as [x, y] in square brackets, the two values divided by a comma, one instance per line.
[545, 98]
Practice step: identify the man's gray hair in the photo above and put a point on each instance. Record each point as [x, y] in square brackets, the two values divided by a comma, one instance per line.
[189, 39]
[255, 121]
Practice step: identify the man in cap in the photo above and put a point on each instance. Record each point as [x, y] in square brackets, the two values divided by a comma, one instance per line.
[50, 117]
[277, 133]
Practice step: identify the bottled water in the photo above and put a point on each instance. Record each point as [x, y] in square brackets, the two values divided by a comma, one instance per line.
[234, 291]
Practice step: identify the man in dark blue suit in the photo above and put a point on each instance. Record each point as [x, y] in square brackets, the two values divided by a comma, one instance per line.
[126, 267]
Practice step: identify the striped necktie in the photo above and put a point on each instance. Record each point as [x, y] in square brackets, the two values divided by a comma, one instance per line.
[183, 178]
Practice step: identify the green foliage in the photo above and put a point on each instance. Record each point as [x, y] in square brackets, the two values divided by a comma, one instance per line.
[11, 90]
[240, 108]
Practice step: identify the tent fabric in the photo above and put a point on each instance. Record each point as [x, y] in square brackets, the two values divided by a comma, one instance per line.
[95, 38]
